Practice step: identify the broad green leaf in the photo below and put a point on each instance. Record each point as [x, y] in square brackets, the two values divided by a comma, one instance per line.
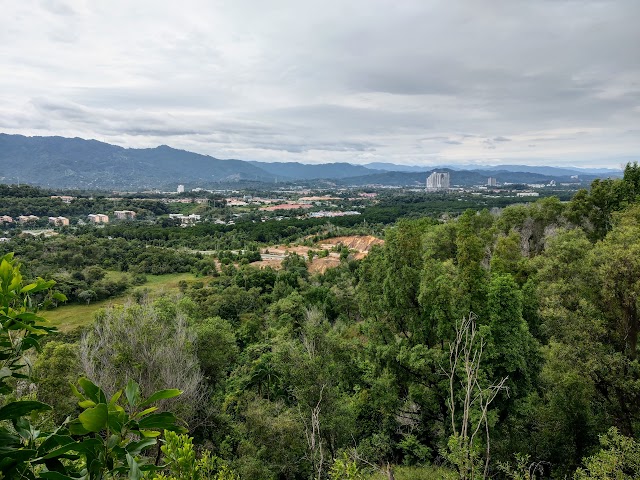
[160, 395]
[158, 421]
[95, 419]
[56, 476]
[117, 419]
[30, 317]
[76, 392]
[20, 455]
[146, 412]
[149, 467]
[25, 326]
[115, 398]
[16, 410]
[54, 440]
[76, 428]
[134, 469]
[113, 441]
[6, 270]
[132, 392]
[8, 438]
[134, 448]
[87, 404]
[41, 285]
[92, 391]
[31, 342]
[59, 296]
[28, 288]
[85, 446]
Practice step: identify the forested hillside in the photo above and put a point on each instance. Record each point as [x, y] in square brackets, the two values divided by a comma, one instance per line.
[58, 162]
[485, 344]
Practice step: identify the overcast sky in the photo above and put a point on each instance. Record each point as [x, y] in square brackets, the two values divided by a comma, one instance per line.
[414, 82]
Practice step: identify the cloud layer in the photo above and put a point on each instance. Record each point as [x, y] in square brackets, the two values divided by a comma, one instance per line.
[415, 82]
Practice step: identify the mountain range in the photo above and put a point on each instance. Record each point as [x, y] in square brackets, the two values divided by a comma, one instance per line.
[59, 162]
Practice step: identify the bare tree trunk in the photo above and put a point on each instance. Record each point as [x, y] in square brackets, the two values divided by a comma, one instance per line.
[314, 439]
[390, 472]
[466, 352]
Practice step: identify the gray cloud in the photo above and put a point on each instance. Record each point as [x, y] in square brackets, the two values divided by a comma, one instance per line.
[359, 81]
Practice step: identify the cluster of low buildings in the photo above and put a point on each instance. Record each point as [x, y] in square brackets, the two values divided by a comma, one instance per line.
[184, 200]
[251, 200]
[329, 214]
[64, 221]
[24, 219]
[286, 206]
[185, 219]
[64, 198]
[21, 219]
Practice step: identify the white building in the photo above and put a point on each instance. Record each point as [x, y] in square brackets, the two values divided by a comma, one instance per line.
[180, 188]
[438, 181]
[59, 221]
[64, 198]
[185, 219]
[98, 218]
[492, 182]
[125, 214]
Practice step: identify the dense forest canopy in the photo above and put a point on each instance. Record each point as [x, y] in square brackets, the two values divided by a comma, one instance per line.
[487, 344]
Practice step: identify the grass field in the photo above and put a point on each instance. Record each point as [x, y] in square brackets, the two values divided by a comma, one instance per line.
[418, 473]
[70, 317]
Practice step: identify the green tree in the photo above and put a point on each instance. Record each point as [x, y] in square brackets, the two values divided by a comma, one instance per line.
[151, 344]
[619, 458]
[104, 441]
[216, 347]
[512, 351]
[617, 262]
[55, 368]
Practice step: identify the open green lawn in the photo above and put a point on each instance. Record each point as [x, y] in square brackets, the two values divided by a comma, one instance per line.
[418, 473]
[72, 316]
[184, 208]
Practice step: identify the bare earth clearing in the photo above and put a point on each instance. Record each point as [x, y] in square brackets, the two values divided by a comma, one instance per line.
[359, 244]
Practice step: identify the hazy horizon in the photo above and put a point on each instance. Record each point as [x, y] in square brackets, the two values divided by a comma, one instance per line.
[412, 83]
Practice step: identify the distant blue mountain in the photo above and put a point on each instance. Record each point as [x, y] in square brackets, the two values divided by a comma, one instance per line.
[556, 171]
[302, 171]
[542, 170]
[59, 162]
[392, 167]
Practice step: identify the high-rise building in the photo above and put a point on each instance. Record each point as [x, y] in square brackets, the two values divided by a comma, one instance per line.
[492, 182]
[438, 181]
[180, 188]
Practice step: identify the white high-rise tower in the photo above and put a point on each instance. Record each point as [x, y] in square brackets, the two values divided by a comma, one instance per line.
[438, 181]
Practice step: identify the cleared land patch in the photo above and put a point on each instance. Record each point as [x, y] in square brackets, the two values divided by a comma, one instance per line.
[72, 316]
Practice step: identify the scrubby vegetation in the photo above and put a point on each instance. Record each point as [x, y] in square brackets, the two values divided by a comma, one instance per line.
[489, 344]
